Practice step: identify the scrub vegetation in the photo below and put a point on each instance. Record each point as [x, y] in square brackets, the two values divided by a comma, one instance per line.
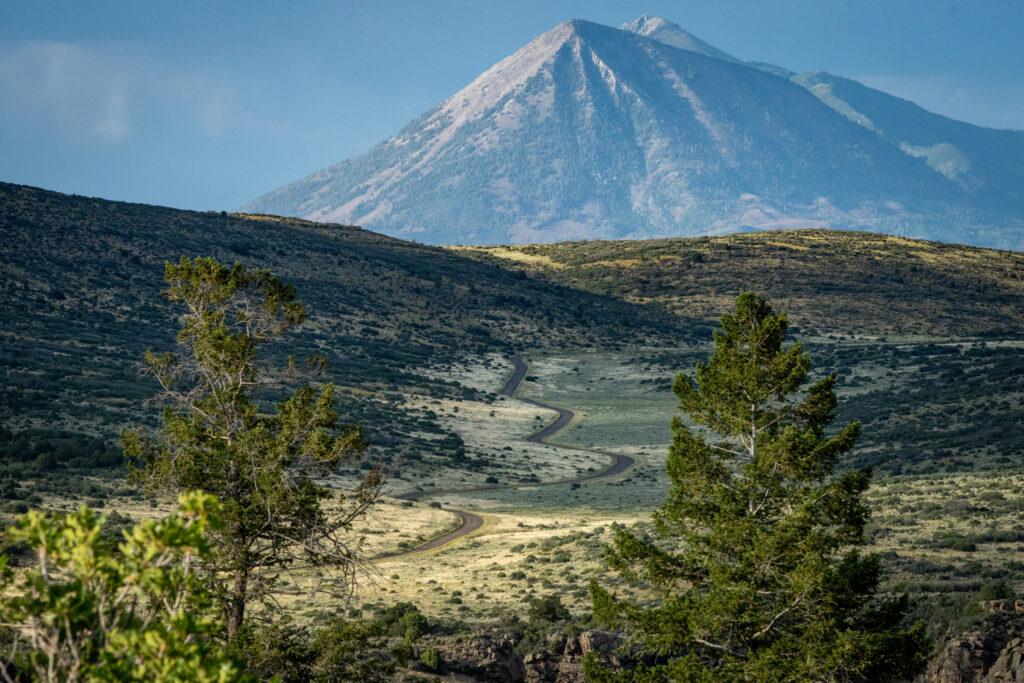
[412, 344]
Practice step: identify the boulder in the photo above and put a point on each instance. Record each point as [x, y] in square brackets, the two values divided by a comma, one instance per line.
[993, 653]
[484, 658]
[561, 659]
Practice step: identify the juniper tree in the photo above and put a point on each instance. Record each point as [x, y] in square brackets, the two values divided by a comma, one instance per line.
[755, 553]
[222, 435]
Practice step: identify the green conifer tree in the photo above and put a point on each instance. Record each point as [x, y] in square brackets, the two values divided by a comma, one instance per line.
[756, 557]
[222, 435]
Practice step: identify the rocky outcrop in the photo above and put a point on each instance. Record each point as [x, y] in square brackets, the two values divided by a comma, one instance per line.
[562, 657]
[993, 653]
[1003, 606]
[484, 658]
[493, 657]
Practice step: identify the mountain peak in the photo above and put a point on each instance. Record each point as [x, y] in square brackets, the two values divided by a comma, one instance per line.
[664, 31]
[647, 24]
[577, 28]
[575, 24]
[594, 132]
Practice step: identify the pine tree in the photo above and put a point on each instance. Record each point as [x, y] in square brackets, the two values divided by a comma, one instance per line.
[222, 435]
[756, 556]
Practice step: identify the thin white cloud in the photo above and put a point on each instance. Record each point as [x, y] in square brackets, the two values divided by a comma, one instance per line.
[101, 90]
[113, 123]
[71, 84]
[980, 104]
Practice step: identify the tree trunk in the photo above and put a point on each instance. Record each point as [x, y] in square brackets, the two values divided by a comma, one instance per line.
[235, 607]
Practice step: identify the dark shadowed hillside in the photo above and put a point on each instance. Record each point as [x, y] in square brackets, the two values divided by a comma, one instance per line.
[80, 303]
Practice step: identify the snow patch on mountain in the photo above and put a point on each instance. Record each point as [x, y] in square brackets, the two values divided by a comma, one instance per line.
[943, 157]
[664, 31]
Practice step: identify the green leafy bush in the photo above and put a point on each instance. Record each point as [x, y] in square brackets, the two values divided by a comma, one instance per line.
[548, 608]
[86, 610]
[431, 659]
[996, 590]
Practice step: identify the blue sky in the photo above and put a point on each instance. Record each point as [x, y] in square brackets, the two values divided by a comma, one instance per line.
[206, 105]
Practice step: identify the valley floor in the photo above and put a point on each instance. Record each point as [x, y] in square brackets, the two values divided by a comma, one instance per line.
[942, 534]
[941, 426]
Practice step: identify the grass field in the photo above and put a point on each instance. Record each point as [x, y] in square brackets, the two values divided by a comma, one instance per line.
[942, 535]
[819, 276]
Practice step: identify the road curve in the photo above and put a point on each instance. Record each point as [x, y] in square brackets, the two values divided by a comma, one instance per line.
[620, 463]
[472, 521]
[565, 416]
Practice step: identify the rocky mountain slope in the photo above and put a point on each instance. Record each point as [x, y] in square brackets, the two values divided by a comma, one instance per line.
[986, 163]
[590, 131]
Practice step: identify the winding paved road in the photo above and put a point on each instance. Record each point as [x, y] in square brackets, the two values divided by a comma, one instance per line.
[620, 463]
[472, 521]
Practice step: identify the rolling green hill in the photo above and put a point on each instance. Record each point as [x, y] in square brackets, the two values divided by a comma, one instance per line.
[925, 337]
[829, 281]
[80, 301]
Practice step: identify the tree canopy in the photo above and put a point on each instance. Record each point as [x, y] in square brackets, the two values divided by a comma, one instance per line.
[755, 556]
[224, 435]
[89, 610]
